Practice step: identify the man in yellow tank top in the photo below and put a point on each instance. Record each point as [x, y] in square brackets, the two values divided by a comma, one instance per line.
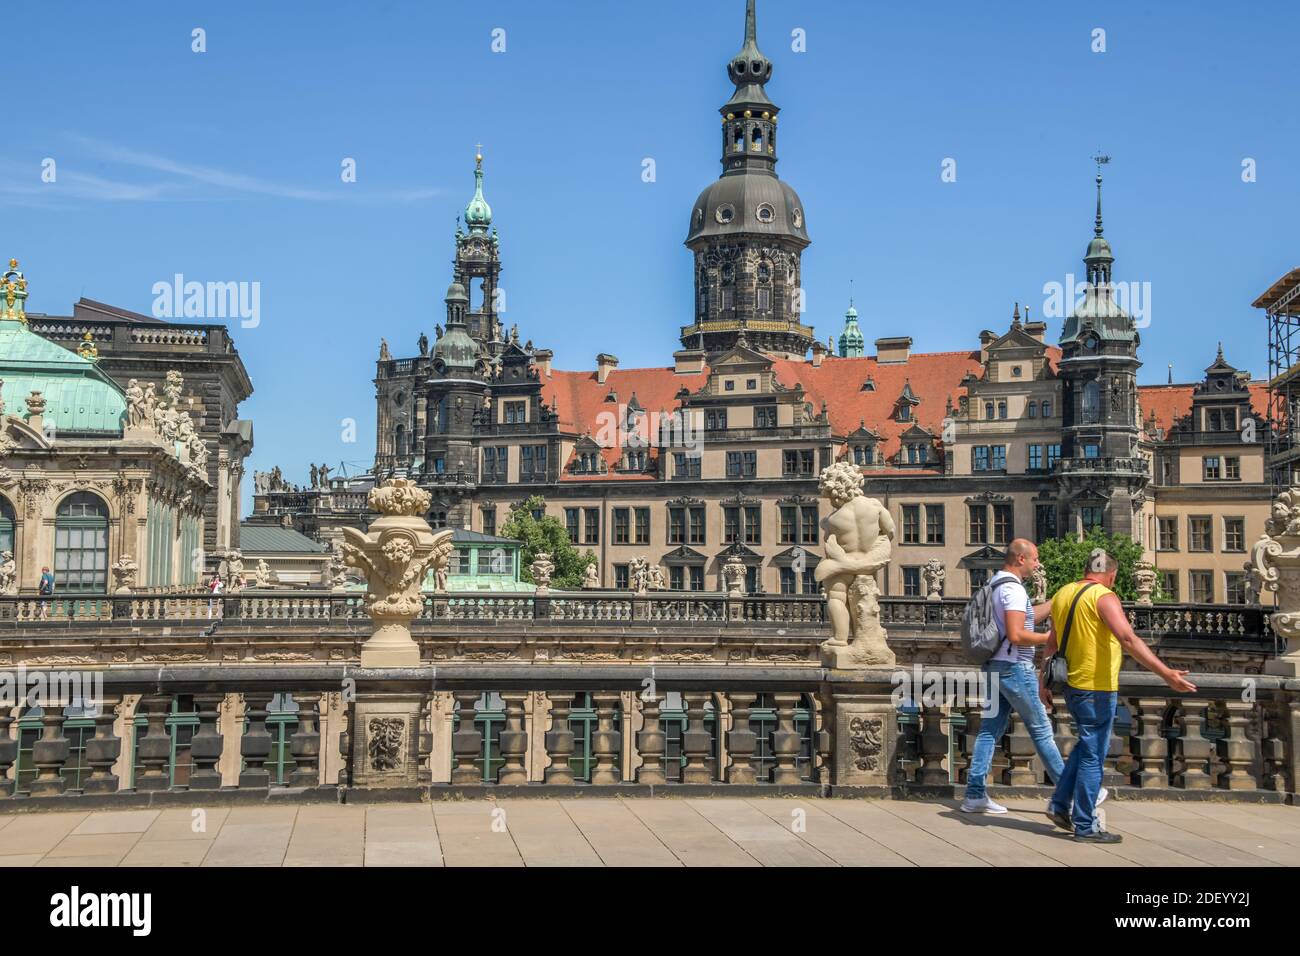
[1098, 636]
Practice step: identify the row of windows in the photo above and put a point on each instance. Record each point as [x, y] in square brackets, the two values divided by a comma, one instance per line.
[1214, 468]
[1201, 586]
[690, 577]
[1032, 409]
[1200, 533]
[798, 524]
[994, 457]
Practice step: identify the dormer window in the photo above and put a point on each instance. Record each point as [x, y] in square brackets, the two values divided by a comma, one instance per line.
[904, 412]
[864, 454]
[869, 385]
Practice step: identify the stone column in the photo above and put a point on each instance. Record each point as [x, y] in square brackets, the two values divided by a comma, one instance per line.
[395, 554]
[102, 750]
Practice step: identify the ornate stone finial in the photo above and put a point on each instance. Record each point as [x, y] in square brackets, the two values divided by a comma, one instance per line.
[1144, 580]
[88, 349]
[13, 294]
[733, 577]
[1275, 560]
[933, 575]
[35, 404]
[1015, 317]
[859, 533]
[541, 568]
[124, 571]
[395, 554]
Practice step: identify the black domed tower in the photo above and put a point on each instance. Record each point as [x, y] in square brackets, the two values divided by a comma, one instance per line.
[748, 229]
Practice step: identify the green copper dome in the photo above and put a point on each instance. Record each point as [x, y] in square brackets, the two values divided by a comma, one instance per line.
[79, 397]
[478, 214]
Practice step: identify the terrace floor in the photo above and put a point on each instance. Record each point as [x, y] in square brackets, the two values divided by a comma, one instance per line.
[617, 831]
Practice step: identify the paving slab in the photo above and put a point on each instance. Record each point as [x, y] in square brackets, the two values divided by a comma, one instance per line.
[545, 835]
[253, 836]
[328, 836]
[691, 838]
[902, 836]
[401, 835]
[767, 840]
[617, 834]
[475, 833]
[833, 837]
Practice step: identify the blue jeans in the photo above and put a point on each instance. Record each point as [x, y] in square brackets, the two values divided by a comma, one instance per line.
[1094, 713]
[1018, 690]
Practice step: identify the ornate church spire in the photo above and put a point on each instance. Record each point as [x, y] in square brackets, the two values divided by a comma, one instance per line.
[478, 214]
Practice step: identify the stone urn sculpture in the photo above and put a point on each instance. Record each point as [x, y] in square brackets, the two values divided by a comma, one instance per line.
[934, 574]
[1144, 581]
[1275, 560]
[859, 533]
[394, 555]
[733, 577]
[541, 569]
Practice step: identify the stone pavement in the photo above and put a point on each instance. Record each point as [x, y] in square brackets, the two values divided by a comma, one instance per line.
[614, 831]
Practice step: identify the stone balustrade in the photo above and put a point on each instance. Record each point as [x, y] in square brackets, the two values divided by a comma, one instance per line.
[192, 735]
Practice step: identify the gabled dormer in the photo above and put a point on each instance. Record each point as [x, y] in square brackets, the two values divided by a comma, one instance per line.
[917, 448]
[905, 406]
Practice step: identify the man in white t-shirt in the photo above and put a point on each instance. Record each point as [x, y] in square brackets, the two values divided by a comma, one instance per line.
[1012, 671]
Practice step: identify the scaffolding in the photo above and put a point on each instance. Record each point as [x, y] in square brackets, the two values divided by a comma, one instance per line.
[1281, 305]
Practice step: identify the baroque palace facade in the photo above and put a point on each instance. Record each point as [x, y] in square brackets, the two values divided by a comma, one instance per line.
[717, 455]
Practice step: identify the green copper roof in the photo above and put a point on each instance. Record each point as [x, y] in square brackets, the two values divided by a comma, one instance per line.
[79, 397]
[851, 340]
[478, 214]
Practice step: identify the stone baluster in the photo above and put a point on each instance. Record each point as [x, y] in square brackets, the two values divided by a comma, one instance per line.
[255, 744]
[650, 744]
[1113, 772]
[49, 754]
[8, 753]
[207, 743]
[741, 739]
[1019, 749]
[559, 739]
[1149, 744]
[971, 718]
[514, 740]
[1273, 746]
[824, 742]
[467, 741]
[696, 741]
[1062, 727]
[1237, 749]
[606, 739]
[304, 745]
[1192, 749]
[786, 744]
[153, 751]
[934, 749]
[103, 749]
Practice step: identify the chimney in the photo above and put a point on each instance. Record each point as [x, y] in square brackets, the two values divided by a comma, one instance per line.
[605, 363]
[893, 350]
[542, 359]
[819, 353]
[1037, 330]
[986, 339]
[688, 361]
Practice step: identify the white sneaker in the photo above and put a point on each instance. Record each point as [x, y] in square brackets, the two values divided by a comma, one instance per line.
[982, 805]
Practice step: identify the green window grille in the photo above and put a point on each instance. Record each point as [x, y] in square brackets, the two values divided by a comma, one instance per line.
[281, 724]
[763, 722]
[182, 722]
[78, 728]
[81, 545]
[583, 723]
[8, 521]
[489, 719]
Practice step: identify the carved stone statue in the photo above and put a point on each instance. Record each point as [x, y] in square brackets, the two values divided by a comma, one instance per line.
[733, 577]
[1038, 585]
[933, 574]
[315, 477]
[590, 576]
[541, 569]
[384, 354]
[324, 473]
[859, 533]
[8, 573]
[1144, 581]
[134, 404]
[638, 575]
[1254, 584]
[657, 581]
[124, 570]
[1276, 561]
[264, 576]
[234, 570]
[394, 554]
[338, 568]
[424, 344]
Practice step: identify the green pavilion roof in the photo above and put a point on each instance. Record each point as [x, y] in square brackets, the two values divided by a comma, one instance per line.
[79, 397]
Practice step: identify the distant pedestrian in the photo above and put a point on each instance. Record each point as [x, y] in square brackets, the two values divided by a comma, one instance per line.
[215, 589]
[46, 589]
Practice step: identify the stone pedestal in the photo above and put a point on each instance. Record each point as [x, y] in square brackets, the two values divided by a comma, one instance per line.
[385, 739]
[866, 733]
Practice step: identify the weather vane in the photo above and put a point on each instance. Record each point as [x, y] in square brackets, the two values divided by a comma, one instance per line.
[1101, 159]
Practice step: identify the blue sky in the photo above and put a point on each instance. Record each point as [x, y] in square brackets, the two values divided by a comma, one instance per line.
[225, 166]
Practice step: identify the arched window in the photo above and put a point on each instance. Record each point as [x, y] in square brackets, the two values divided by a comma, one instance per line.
[739, 142]
[81, 545]
[8, 522]
[756, 139]
[399, 441]
[1091, 402]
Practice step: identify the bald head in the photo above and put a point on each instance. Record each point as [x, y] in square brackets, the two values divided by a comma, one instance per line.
[1021, 558]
